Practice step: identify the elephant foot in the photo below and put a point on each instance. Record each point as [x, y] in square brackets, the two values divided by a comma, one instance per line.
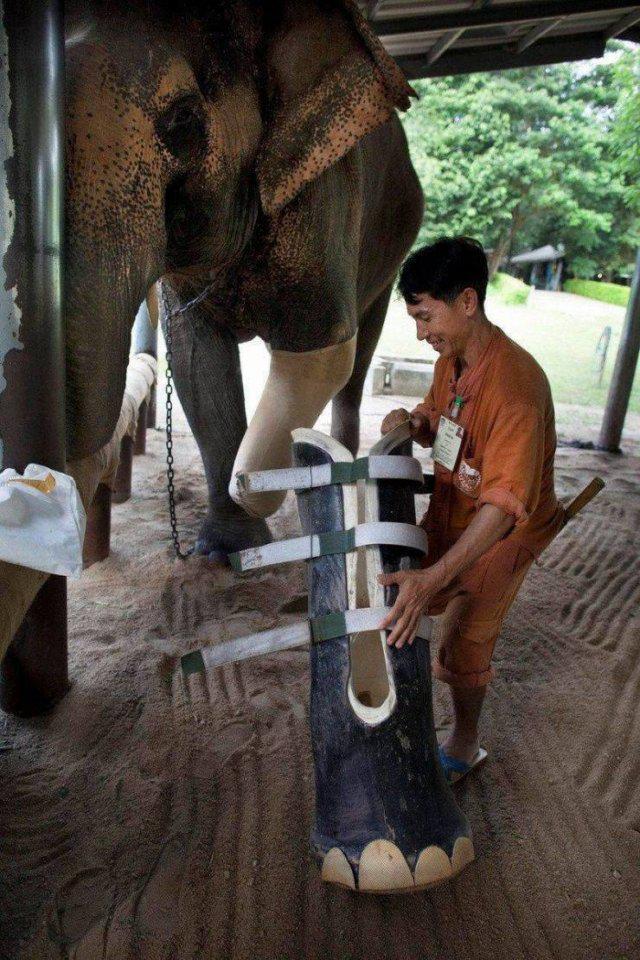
[382, 867]
[220, 536]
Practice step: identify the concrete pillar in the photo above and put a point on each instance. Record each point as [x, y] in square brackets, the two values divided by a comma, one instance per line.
[623, 372]
[33, 675]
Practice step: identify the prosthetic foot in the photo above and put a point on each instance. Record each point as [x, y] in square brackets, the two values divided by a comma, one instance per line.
[386, 820]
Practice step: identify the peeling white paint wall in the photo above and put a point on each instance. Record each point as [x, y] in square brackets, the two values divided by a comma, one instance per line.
[9, 310]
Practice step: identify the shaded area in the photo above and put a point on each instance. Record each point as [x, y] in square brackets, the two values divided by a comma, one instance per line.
[150, 819]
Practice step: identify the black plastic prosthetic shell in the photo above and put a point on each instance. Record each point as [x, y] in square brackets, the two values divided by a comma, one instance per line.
[383, 781]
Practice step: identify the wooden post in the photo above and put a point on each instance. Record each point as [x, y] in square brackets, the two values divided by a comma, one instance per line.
[140, 440]
[624, 371]
[34, 674]
[122, 483]
[97, 539]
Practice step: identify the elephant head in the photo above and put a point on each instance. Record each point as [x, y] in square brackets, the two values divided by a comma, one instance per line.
[162, 127]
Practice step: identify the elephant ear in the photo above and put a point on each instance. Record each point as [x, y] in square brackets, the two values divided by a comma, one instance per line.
[328, 96]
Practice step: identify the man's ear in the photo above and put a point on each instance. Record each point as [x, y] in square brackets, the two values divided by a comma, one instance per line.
[470, 301]
[332, 82]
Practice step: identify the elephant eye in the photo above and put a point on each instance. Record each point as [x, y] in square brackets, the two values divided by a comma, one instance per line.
[182, 129]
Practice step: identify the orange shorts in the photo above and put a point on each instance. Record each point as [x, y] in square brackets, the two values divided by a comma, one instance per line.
[471, 610]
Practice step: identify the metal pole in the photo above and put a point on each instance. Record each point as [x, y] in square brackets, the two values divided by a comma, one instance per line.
[623, 372]
[32, 376]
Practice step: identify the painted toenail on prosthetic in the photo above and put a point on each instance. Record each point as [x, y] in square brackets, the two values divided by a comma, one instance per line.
[463, 854]
[337, 869]
[432, 867]
[383, 868]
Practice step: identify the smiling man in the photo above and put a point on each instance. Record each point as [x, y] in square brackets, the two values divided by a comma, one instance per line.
[489, 417]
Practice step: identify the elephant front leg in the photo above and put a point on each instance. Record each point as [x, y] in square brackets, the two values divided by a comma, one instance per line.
[206, 370]
[297, 390]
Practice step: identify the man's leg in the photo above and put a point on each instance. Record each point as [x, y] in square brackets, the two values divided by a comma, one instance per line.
[465, 666]
[467, 634]
[463, 743]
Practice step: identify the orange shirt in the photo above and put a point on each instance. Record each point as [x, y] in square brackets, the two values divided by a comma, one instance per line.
[507, 452]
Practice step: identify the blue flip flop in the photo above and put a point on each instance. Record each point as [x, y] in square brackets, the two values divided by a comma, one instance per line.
[455, 769]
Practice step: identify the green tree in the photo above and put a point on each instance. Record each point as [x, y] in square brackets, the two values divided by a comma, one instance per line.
[522, 157]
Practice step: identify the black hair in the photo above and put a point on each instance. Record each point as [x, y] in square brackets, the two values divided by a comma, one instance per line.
[444, 269]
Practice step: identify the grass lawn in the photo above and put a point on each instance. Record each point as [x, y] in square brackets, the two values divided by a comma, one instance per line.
[561, 330]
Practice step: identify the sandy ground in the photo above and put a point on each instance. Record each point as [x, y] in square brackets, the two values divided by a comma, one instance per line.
[145, 821]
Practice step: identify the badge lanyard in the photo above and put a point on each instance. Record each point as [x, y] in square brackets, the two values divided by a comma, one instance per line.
[449, 437]
[456, 407]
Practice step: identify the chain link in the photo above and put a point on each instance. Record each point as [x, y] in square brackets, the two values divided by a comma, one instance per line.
[169, 315]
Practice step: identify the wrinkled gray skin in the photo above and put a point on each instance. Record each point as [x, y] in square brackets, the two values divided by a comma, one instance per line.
[166, 127]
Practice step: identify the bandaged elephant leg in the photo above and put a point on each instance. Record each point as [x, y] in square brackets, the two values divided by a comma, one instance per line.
[206, 370]
[298, 388]
[386, 820]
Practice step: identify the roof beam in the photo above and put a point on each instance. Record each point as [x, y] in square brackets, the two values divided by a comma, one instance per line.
[487, 58]
[448, 39]
[629, 21]
[537, 33]
[497, 16]
[443, 44]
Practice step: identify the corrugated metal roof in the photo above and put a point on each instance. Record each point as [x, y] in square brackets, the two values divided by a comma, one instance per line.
[432, 38]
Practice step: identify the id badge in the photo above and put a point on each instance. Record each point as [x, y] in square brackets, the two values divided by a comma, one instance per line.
[447, 444]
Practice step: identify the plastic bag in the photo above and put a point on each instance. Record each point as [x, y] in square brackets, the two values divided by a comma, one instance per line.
[42, 520]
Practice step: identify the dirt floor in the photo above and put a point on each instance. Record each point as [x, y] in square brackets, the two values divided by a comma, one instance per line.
[143, 820]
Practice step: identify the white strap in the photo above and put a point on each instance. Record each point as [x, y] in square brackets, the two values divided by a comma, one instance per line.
[257, 644]
[358, 621]
[289, 637]
[340, 541]
[308, 478]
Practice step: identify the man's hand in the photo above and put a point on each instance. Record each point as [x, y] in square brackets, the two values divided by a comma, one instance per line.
[418, 422]
[417, 587]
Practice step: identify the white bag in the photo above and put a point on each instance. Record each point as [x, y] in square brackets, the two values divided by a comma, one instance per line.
[42, 520]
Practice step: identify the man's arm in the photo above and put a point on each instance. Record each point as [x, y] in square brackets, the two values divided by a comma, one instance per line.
[417, 587]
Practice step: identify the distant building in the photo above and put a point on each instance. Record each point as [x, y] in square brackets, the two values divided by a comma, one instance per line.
[541, 268]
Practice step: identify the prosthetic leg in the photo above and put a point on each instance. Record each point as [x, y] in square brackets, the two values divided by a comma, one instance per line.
[386, 820]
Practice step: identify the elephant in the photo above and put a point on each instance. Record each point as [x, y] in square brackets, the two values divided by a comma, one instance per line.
[247, 158]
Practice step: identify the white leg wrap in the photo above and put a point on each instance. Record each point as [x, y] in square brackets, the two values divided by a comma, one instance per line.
[297, 390]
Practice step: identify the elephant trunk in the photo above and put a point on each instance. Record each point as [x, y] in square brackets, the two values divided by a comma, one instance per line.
[104, 290]
[297, 390]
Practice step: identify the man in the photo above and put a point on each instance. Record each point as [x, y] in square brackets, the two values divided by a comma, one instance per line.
[489, 417]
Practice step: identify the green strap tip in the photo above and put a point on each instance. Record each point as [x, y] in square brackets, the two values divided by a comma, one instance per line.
[328, 627]
[350, 472]
[337, 541]
[192, 663]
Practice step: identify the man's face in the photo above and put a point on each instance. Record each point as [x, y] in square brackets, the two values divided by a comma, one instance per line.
[445, 326]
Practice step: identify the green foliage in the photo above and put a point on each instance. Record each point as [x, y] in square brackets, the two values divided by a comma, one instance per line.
[527, 157]
[596, 290]
[626, 123]
[508, 289]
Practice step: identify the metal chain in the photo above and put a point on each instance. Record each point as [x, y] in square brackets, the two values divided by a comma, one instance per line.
[169, 315]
